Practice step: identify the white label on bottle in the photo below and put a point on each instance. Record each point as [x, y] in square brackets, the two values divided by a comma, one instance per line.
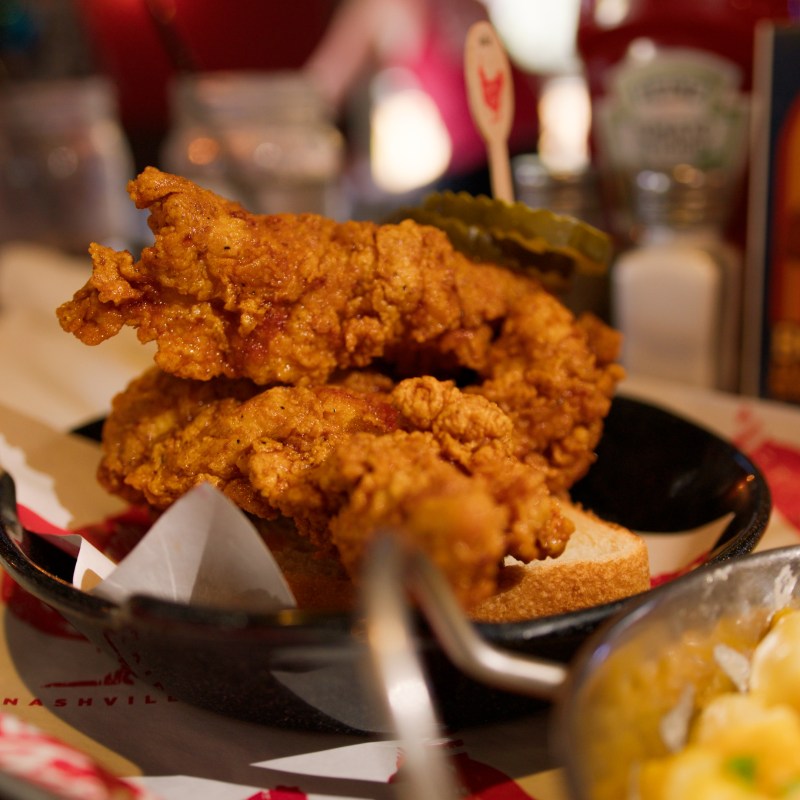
[678, 106]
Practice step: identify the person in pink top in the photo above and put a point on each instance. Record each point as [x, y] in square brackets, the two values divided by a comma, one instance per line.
[426, 40]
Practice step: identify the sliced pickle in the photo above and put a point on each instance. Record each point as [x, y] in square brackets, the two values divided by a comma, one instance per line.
[553, 246]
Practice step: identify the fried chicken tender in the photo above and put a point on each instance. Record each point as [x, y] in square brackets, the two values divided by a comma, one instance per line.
[283, 298]
[164, 435]
[350, 377]
[555, 377]
[425, 459]
[294, 299]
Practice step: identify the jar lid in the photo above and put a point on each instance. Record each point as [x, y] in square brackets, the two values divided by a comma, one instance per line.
[682, 197]
[576, 193]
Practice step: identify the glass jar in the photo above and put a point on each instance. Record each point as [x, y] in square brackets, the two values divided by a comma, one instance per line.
[263, 139]
[66, 164]
[574, 194]
[670, 84]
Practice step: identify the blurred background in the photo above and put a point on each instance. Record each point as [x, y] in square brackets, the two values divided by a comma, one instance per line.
[373, 88]
[636, 116]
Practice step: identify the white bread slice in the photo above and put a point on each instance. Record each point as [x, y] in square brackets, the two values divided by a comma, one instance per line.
[601, 562]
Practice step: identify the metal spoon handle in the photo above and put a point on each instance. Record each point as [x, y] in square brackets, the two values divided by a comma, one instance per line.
[393, 569]
[522, 674]
[399, 677]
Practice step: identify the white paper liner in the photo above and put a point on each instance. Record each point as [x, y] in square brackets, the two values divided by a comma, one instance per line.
[202, 551]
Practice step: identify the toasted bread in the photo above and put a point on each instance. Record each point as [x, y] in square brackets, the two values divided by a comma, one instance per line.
[318, 581]
[602, 562]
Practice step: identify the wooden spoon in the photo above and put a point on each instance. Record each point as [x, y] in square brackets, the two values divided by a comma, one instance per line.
[491, 100]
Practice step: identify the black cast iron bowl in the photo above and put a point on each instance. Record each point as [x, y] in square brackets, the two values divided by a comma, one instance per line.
[654, 471]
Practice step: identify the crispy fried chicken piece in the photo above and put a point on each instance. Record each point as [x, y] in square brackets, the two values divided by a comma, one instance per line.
[283, 298]
[290, 349]
[295, 299]
[425, 458]
[165, 434]
[555, 378]
[453, 486]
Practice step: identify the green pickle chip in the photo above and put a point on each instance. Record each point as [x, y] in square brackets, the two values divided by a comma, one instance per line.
[552, 246]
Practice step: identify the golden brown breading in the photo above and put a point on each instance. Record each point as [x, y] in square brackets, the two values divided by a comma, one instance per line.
[294, 299]
[555, 377]
[165, 434]
[426, 459]
[399, 482]
[349, 376]
[282, 298]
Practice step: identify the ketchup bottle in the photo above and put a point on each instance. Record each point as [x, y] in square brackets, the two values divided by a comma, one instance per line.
[670, 83]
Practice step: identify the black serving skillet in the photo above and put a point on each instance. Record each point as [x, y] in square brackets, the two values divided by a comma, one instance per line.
[655, 471]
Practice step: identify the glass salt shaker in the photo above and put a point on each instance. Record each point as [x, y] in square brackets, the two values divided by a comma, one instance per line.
[676, 294]
[66, 164]
[264, 139]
